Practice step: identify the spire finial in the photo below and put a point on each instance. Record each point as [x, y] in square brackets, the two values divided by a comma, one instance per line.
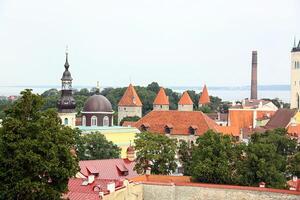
[295, 42]
[98, 88]
[67, 63]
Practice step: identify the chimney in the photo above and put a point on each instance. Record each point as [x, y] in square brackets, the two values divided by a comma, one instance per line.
[254, 76]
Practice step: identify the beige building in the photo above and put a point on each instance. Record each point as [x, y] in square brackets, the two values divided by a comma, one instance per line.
[295, 76]
[130, 104]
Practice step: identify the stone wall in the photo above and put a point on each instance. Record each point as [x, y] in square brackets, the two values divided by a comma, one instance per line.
[196, 192]
[128, 111]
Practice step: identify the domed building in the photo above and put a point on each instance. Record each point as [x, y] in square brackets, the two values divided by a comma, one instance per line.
[97, 111]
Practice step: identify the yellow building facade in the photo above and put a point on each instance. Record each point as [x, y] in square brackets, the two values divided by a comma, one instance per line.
[123, 137]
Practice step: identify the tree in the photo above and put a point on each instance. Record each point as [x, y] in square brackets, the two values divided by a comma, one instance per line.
[213, 159]
[94, 146]
[154, 87]
[129, 119]
[155, 151]
[294, 166]
[184, 155]
[266, 159]
[35, 157]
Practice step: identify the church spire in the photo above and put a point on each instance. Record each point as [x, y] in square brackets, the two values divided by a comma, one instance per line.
[67, 62]
[97, 88]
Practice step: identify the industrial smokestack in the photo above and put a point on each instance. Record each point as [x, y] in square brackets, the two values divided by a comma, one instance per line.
[254, 76]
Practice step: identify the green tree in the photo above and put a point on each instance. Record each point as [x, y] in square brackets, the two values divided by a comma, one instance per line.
[185, 155]
[155, 151]
[94, 146]
[294, 166]
[205, 109]
[214, 158]
[154, 87]
[129, 119]
[35, 157]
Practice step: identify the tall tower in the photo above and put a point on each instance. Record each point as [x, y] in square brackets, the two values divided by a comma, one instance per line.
[185, 103]
[161, 101]
[254, 76]
[130, 104]
[204, 98]
[295, 76]
[66, 104]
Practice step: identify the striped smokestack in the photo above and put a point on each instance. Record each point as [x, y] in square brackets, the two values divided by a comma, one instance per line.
[254, 76]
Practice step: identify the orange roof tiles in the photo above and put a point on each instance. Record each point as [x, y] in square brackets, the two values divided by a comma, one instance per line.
[130, 98]
[181, 122]
[294, 130]
[241, 118]
[161, 98]
[204, 98]
[229, 130]
[185, 99]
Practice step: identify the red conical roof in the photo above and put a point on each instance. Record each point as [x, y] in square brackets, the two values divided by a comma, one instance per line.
[130, 98]
[185, 99]
[204, 98]
[161, 98]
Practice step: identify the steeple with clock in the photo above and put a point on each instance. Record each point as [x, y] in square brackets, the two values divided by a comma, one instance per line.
[66, 104]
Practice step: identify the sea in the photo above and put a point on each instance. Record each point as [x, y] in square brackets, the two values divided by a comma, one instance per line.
[281, 92]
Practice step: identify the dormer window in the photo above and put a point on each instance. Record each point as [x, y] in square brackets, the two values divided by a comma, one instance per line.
[145, 127]
[168, 128]
[122, 169]
[193, 129]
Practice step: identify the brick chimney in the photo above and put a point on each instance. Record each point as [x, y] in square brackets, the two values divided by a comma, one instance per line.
[254, 76]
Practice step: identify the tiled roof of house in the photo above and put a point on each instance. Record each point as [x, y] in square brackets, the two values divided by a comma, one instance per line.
[77, 191]
[294, 130]
[180, 122]
[161, 98]
[204, 98]
[185, 99]
[128, 124]
[108, 169]
[281, 118]
[130, 98]
[294, 184]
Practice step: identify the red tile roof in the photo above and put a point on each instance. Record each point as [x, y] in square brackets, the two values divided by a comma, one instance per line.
[294, 130]
[294, 184]
[130, 98]
[107, 169]
[77, 191]
[204, 98]
[128, 124]
[181, 121]
[185, 99]
[161, 98]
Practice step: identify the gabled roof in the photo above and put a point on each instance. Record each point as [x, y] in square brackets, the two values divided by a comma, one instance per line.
[204, 98]
[161, 98]
[281, 118]
[108, 168]
[130, 98]
[181, 121]
[185, 99]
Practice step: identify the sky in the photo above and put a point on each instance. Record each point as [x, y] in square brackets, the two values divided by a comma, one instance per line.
[172, 42]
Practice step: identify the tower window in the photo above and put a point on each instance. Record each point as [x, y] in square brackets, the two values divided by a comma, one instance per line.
[66, 121]
[105, 121]
[83, 121]
[94, 121]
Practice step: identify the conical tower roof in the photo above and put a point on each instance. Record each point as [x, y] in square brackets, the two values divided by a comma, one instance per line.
[130, 98]
[185, 99]
[161, 98]
[204, 98]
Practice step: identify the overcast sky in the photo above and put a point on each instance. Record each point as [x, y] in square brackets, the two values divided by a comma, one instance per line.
[173, 42]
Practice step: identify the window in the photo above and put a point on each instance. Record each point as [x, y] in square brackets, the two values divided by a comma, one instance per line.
[66, 121]
[105, 121]
[83, 121]
[94, 121]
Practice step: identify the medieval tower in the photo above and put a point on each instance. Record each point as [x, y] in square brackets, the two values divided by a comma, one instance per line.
[66, 104]
[295, 76]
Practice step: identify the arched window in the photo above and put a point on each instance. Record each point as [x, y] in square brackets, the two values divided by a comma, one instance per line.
[66, 121]
[94, 121]
[105, 121]
[83, 121]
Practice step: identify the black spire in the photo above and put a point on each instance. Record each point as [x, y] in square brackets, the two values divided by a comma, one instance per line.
[296, 48]
[67, 63]
[67, 74]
